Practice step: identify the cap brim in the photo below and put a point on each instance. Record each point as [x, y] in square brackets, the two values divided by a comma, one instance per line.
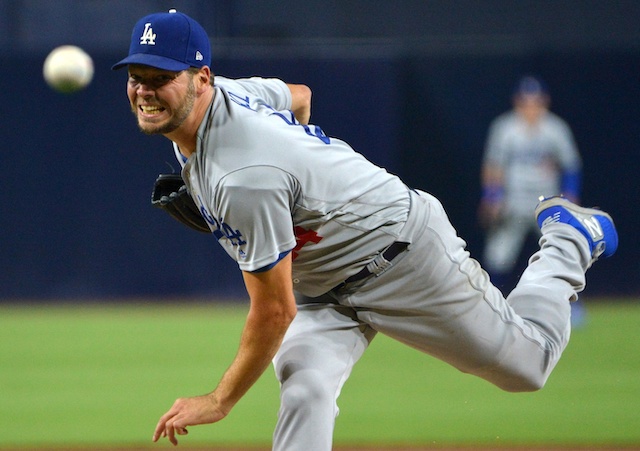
[145, 59]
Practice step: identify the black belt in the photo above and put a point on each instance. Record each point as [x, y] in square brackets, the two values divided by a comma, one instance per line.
[388, 254]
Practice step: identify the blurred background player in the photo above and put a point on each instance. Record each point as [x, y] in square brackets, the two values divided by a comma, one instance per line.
[530, 152]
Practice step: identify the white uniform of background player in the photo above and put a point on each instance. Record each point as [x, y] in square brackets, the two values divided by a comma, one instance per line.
[529, 152]
[272, 189]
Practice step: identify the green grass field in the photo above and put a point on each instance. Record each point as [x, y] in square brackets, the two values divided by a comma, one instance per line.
[79, 375]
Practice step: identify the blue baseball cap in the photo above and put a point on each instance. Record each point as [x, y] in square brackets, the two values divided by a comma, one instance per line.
[169, 41]
[530, 85]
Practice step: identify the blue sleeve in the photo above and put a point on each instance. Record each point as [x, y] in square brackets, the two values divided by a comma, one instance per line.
[271, 265]
[571, 183]
[493, 194]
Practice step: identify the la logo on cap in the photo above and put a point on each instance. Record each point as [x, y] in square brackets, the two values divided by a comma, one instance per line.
[148, 36]
[172, 42]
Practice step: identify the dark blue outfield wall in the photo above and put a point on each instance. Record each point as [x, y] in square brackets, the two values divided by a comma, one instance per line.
[77, 221]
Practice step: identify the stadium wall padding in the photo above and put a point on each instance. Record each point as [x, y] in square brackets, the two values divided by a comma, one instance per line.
[78, 223]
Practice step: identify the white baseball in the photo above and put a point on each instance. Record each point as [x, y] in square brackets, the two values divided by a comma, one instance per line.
[68, 69]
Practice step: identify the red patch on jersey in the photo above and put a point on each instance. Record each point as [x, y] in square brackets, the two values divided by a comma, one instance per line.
[304, 236]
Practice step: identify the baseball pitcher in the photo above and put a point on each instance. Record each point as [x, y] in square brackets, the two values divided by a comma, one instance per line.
[301, 211]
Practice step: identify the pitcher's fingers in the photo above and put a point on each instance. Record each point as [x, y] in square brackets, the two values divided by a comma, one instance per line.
[159, 432]
[172, 437]
[171, 432]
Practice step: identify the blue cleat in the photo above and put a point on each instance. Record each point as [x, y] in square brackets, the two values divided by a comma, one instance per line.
[596, 225]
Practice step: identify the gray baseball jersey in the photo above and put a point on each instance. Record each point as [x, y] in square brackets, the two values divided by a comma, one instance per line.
[533, 158]
[250, 176]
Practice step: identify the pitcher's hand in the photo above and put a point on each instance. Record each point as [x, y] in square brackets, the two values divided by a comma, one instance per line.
[188, 412]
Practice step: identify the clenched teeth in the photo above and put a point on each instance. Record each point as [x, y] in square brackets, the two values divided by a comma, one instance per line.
[151, 109]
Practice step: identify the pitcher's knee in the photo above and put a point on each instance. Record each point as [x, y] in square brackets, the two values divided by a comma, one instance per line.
[307, 394]
[521, 383]
[515, 380]
[512, 375]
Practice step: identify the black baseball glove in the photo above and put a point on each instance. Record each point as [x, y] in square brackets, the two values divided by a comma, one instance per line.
[171, 195]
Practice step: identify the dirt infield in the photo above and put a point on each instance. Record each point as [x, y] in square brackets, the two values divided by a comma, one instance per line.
[435, 448]
[347, 448]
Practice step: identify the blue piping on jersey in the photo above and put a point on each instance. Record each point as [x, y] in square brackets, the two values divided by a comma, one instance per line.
[271, 265]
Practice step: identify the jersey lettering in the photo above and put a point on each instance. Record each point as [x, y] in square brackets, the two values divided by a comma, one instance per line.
[287, 116]
[211, 220]
[234, 236]
[242, 101]
[304, 236]
[318, 134]
[222, 229]
[291, 120]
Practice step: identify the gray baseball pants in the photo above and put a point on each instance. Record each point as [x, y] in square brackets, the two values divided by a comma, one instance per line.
[437, 299]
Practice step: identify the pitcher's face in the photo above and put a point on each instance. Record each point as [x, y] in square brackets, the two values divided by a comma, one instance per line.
[161, 100]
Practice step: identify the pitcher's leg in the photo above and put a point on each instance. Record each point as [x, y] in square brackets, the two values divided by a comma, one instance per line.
[465, 321]
[556, 271]
[573, 239]
[316, 358]
[439, 300]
